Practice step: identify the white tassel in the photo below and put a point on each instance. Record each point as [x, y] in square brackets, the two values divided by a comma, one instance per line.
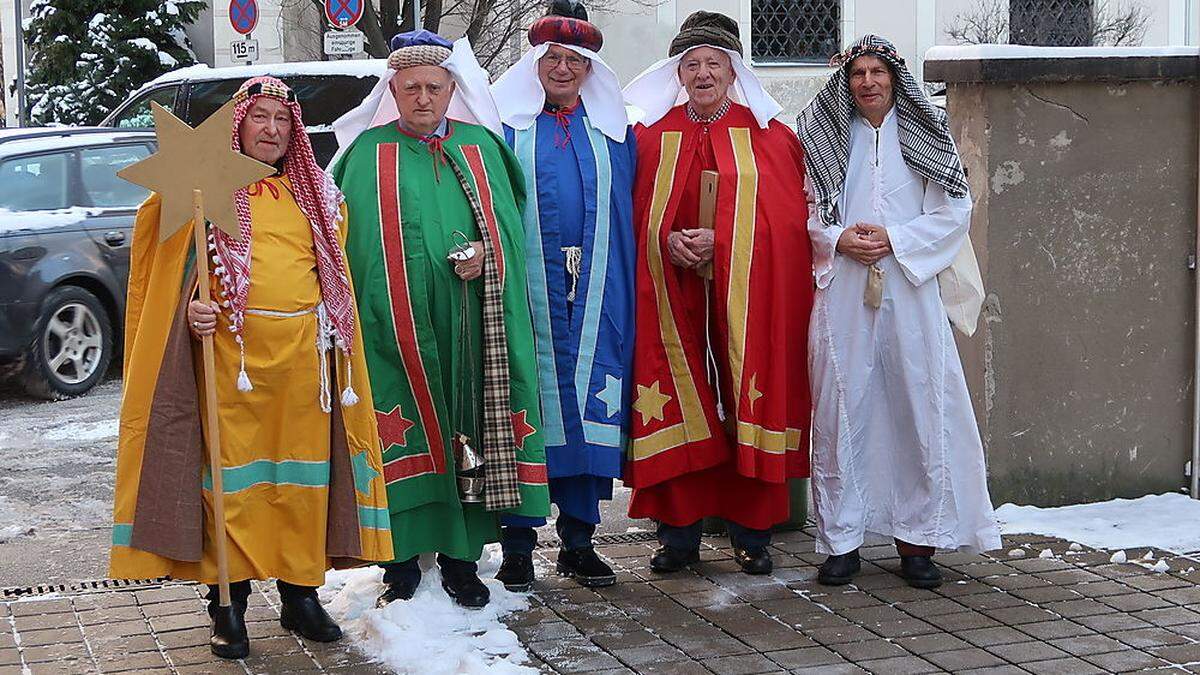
[349, 398]
[243, 383]
[574, 265]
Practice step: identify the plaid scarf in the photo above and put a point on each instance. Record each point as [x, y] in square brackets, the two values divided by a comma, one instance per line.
[319, 201]
[824, 129]
[501, 490]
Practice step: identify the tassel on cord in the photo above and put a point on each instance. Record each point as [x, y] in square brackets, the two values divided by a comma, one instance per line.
[574, 264]
[349, 398]
[243, 382]
[323, 396]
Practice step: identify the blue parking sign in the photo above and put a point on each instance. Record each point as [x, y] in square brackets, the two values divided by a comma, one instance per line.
[243, 15]
[343, 13]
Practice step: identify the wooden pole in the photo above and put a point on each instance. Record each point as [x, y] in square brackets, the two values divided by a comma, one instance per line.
[708, 210]
[200, 239]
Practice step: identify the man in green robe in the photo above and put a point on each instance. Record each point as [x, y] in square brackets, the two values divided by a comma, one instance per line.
[448, 340]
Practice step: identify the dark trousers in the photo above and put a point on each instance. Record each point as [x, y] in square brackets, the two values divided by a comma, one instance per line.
[687, 537]
[410, 570]
[907, 550]
[239, 593]
[572, 532]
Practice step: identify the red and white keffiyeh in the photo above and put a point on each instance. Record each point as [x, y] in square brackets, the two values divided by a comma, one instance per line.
[319, 200]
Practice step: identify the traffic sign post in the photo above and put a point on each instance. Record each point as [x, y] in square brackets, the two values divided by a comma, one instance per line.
[243, 16]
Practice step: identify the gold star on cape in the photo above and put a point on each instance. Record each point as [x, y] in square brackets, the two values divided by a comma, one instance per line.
[754, 394]
[195, 159]
[650, 401]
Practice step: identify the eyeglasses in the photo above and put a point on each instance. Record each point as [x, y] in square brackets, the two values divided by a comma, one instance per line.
[573, 62]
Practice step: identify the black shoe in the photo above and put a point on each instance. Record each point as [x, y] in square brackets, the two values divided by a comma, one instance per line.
[516, 572]
[583, 565]
[229, 639]
[754, 560]
[464, 586]
[668, 559]
[401, 590]
[839, 570]
[920, 571]
[305, 615]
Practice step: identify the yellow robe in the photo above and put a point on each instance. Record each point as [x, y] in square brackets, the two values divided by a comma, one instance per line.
[281, 481]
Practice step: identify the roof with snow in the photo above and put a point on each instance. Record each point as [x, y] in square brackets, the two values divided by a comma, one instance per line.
[202, 72]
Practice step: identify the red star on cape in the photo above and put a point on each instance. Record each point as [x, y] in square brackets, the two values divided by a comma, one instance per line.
[393, 428]
[521, 428]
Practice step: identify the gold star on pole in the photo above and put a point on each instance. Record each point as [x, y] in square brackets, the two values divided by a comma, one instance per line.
[650, 401]
[195, 159]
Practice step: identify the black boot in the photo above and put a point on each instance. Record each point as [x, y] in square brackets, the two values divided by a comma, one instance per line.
[461, 582]
[671, 559]
[228, 639]
[754, 560]
[586, 567]
[516, 572]
[302, 612]
[920, 571]
[839, 570]
[402, 579]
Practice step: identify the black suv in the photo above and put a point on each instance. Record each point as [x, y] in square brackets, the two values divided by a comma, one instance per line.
[326, 90]
[66, 223]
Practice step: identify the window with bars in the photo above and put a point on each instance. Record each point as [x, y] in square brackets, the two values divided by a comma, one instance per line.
[795, 31]
[1058, 23]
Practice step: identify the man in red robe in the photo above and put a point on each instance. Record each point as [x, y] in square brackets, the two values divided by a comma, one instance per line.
[721, 395]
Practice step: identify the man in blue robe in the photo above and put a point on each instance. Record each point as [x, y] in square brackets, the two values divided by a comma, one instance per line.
[565, 118]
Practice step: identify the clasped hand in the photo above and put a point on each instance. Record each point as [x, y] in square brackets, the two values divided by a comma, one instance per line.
[690, 248]
[865, 243]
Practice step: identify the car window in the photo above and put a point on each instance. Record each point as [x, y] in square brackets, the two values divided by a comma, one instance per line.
[137, 115]
[35, 183]
[102, 186]
[323, 98]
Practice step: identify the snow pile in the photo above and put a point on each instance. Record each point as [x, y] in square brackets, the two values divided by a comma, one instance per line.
[429, 634]
[11, 532]
[11, 221]
[1154, 520]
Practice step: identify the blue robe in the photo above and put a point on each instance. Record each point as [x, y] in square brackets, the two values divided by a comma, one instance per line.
[580, 195]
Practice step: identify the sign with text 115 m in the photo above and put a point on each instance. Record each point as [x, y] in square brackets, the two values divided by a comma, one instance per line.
[244, 50]
[343, 42]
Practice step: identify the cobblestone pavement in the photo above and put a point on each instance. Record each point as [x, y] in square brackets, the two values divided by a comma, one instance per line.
[1073, 613]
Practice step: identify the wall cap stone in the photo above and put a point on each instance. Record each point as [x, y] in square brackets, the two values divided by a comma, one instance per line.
[1017, 63]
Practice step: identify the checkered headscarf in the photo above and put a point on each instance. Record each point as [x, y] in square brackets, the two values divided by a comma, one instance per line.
[319, 201]
[824, 129]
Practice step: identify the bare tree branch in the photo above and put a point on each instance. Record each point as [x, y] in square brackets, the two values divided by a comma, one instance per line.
[1113, 24]
[986, 22]
[1120, 25]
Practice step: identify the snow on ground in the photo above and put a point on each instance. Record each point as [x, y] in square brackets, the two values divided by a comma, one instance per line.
[1165, 521]
[429, 634]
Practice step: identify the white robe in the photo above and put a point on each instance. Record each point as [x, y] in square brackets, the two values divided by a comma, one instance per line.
[896, 451]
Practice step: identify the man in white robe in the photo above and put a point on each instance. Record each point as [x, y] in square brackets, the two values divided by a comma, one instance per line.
[896, 450]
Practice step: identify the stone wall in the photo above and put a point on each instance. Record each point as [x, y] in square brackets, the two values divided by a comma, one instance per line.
[1084, 175]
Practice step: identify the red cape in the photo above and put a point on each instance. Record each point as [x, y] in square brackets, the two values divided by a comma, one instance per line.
[762, 296]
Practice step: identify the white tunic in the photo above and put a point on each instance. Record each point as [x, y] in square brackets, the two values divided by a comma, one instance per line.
[896, 451]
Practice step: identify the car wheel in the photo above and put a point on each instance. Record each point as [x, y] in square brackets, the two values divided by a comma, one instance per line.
[72, 346]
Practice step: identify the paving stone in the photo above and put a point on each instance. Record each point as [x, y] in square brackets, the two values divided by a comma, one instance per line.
[1177, 653]
[93, 617]
[900, 665]
[1039, 565]
[1098, 589]
[993, 670]
[1067, 577]
[829, 669]
[999, 635]
[841, 634]
[140, 661]
[63, 667]
[168, 594]
[1013, 616]
[574, 656]
[259, 662]
[962, 659]
[212, 668]
[1170, 616]
[868, 650]
[962, 621]
[804, 657]
[629, 640]
[9, 657]
[742, 664]
[1024, 652]
[185, 638]
[1067, 666]
[35, 638]
[1154, 636]
[1189, 595]
[1088, 644]
[111, 600]
[1044, 594]
[1135, 602]
[170, 622]
[1017, 581]
[1124, 661]
[1075, 608]
[39, 607]
[993, 600]
[1108, 623]
[903, 628]
[54, 652]
[1051, 630]
[986, 569]
[922, 645]
[713, 596]
[655, 651]
[1157, 582]
[26, 623]
[961, 588]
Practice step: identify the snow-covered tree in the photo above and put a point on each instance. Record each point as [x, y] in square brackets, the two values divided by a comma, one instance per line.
[86, 56]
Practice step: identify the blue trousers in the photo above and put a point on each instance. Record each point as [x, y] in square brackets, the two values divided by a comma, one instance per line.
[572, 532]
[687, 538]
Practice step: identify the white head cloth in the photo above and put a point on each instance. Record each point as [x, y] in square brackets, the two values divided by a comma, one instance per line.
[520, 96]
[658, 89]
[471, 103]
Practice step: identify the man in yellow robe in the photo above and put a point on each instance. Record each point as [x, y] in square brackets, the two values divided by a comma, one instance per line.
[301, 466]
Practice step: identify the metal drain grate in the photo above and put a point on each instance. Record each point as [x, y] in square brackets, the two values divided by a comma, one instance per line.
[606, 539]
[100, 585]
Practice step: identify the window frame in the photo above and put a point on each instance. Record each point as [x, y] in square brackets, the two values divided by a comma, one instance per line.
[72, 175]
[82, 189]
[115, 116]
[816, 64]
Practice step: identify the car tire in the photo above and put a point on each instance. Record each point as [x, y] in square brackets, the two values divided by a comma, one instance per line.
[72, 345]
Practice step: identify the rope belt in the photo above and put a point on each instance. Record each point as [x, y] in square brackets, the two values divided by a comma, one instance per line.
[324, 343]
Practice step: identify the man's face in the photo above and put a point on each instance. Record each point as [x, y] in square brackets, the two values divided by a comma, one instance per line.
[266, 130]
[562, 73]
[706, 74]
[871, 86]
[422, 96]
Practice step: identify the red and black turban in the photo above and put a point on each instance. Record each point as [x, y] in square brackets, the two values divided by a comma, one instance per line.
[566, 23]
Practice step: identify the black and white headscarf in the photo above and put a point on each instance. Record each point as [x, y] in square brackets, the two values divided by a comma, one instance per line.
[824, 129]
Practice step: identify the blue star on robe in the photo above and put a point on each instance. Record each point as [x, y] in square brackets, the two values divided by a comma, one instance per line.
[581, 188]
